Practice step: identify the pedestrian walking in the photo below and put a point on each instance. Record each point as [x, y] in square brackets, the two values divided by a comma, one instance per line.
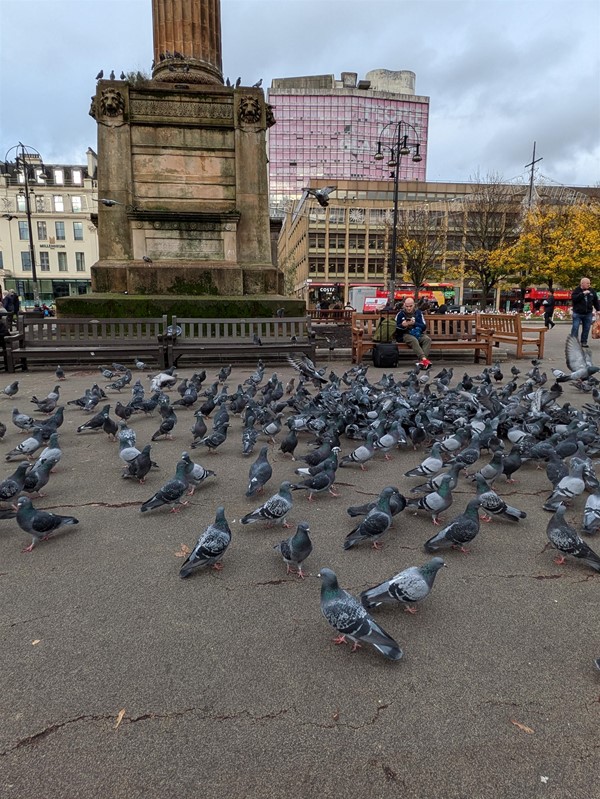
[585, 306]
[548, 307]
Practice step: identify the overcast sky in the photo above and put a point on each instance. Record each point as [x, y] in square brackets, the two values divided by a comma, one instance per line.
[499, 74]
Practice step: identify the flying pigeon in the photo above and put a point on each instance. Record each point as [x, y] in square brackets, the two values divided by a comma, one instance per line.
[321, 195]
[375, 524]
[579, 361]
[408, 586]
[295, 549]
[170, 493]
[275, 509]
[40, 524]
[346, 615]
[568, 541]
[210, 548]
[459, 532]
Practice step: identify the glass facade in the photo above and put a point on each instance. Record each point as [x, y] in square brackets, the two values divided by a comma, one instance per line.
[333, 135]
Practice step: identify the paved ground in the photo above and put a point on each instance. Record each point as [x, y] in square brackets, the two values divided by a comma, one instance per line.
[228, 683]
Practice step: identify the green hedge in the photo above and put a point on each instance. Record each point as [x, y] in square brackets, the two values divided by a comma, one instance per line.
[123, 306]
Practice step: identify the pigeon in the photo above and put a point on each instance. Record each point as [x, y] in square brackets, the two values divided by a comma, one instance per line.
[571, 486]
[407, 587]
[40, 524]
[166, 427]
[210, 547]
[374, 525]
[260, 473]
[60, 373]
[459, 532]
[257, 85]
[22, 420]
[146, 259]
[346, 615]
[139, 466]
[493, 504]
[195, 474]
[275, 509]
[361, 454]
[435, 502]
[2, 430]
[579, 361]
[164, 380]
[213, 440]
[435, 482]
[321, 195]
[96, 422]
[317, 484]
[199, 428]
[591, 514]
[289, 443]
[36, 479]
[238, 83]
[567, 540]
[122, 75]
[139, 364]
[170, 493]
[397, 504]
[13, 485]
[491, 470]
[11, 389]
[52, 451]
[112, 74]
[430, 466]
[27, 447]
[295, 549]
[100, 75]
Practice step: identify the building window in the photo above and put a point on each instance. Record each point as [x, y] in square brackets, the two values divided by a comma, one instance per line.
[60, 231]
[80, 261]
[26, 261]
[59, 177]
[76, 176]
[59, 203]
[21, 205]
[78, 231]
[23, 231]
[42, 231]
[76, 204]
[40, 205]
[62, 262]
[44, 261]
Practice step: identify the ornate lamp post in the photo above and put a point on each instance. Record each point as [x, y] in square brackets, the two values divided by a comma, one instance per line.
[398, 145]
[23, 158]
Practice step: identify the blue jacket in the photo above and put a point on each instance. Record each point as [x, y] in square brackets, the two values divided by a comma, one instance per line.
[416, 330]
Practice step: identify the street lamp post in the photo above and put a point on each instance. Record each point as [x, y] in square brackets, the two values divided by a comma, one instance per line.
[400, 146]
[22, 153]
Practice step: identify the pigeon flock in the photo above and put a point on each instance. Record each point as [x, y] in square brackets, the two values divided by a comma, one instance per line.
[465, 436]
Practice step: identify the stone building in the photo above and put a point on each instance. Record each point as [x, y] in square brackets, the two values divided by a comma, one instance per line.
[63, 203]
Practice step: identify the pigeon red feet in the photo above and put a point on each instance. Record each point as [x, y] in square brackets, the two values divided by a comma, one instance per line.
[560, 560]
[341, 639]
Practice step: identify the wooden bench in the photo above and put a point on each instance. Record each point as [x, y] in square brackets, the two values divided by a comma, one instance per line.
[52, 341]
[448, 332]
[235, 340]
[509, 328]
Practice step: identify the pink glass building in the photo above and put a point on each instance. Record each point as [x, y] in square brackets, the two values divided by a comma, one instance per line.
[328, 128]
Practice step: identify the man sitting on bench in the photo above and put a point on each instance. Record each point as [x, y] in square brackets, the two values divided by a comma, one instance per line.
[410, 328]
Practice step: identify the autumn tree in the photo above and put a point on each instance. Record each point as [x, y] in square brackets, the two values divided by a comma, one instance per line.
[558, 244]
[491, 221]
[419, 243]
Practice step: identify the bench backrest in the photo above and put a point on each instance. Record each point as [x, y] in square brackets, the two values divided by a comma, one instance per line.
[267, 329]
[501, 323]
[81, 332]
[440, 327]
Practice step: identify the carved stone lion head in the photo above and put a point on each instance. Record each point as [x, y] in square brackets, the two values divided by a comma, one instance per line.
[249, 110]
[112, 103]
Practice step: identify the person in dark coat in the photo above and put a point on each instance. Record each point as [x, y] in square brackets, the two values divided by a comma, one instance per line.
[8, 302]
[585, 306]
[410, 328]
[548, 306]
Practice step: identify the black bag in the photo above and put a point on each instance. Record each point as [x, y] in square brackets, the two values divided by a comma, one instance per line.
[385, 356]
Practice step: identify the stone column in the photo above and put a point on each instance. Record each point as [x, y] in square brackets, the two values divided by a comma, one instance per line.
[187, 41]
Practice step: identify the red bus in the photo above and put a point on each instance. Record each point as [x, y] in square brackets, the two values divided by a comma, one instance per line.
[535, 296]
[440, 292]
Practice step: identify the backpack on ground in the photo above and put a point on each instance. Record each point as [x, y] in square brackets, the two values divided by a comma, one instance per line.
[385, 356]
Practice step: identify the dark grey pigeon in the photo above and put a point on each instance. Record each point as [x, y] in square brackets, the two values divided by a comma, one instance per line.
[295, 549]
[37, 477]
[346, 615]
[317, 484]
[579, 362]
[375, 524]
[195, 474]
[96, 422]
[491, 470]
[139, 466]
[275, 509]
[459, 532]
[289, 443]
[260, 473]
[210, 547]
[493, 504]
[13, 485]
[397, 504]
[568, 541]
[170, 493]
[40, 524]
[407, 587]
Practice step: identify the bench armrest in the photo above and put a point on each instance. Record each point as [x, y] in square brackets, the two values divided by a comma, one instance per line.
[485, 331]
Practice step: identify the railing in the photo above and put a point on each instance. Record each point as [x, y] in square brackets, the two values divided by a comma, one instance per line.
[330, 316]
